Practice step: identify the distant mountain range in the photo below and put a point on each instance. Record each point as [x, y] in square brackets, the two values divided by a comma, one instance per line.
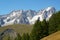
[26, 16]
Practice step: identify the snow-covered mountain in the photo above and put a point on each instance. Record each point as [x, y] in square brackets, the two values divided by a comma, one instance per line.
[26, 16]
[43, 14]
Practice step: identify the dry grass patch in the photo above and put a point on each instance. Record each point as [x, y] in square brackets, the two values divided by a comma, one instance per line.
[54, 36]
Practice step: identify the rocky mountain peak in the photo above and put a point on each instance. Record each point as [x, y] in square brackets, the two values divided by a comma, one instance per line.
[26, 16]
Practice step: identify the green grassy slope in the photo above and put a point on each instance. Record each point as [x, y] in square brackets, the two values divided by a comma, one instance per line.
[19, 28]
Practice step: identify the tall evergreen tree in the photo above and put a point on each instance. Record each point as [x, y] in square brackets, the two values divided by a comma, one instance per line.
[18, 37]
[54, 22]
[45, 28]
[25, 37]
[8, 38]
[36, 31]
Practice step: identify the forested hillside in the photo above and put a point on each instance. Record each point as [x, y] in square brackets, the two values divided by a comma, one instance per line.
[41, 29]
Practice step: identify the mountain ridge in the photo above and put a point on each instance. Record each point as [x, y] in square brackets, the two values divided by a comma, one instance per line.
[26, 16]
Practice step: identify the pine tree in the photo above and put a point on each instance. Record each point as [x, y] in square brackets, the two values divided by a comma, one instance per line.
[8, 38]
[18, 37]
[54, 22]
[25, 36]
[36, 31]
[45, 28]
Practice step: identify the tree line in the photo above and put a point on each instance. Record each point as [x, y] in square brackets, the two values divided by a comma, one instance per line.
[42, 29]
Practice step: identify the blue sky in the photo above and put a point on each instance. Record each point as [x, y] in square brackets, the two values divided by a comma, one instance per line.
[6, 6]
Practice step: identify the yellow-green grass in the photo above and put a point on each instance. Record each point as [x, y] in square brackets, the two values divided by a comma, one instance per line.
[19, 28]
[54, 36]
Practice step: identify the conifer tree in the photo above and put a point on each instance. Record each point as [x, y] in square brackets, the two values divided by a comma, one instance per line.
[9, 38]
[53, 23]
[36, 31]
[18, 37]
[25, 36]
[45, 28]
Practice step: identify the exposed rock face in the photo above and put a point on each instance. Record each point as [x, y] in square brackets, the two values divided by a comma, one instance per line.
[8, 33]
[26, 16]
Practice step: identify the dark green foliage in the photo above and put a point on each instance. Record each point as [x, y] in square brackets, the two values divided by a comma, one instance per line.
[18, 37]
[54, 22]
[8, 38]
[25, 36]
[0, 25]
[45, 28]
[42, 29]
[36, 31]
